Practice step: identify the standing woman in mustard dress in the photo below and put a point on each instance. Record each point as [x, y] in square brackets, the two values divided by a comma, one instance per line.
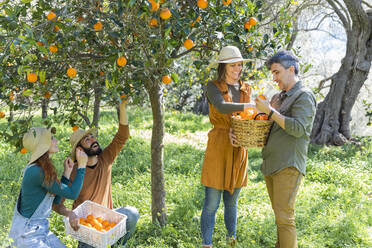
[225, 165]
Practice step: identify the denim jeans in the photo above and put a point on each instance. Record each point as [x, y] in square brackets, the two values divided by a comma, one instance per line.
[132, 218]
[211, 204]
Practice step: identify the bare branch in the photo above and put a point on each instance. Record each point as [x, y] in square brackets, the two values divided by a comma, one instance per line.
[322, 82]
[367, 4]
[342, 17]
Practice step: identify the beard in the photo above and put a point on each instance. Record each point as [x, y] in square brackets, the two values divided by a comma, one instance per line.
[90, 151]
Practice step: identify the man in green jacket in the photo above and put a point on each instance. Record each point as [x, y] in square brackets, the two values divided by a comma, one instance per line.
[284, 156]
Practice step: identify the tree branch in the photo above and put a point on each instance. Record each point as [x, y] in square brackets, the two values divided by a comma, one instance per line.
[368, 5]
[342, 17]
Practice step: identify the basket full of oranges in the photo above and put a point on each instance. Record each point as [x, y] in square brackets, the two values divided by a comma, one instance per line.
[251, 128]
[98, 226]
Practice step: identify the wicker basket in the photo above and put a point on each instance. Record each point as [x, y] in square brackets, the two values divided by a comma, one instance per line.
[251, 133]
[91, 236]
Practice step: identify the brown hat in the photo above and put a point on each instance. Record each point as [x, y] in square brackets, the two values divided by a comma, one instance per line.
[38, 141]
[77, 135]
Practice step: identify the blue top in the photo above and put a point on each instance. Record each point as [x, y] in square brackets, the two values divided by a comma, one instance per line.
[34, 190]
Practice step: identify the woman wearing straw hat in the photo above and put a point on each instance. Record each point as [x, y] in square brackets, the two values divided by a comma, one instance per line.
[225, 165]
[40, 189]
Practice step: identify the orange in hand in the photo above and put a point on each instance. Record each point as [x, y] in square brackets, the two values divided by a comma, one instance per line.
[262, 97]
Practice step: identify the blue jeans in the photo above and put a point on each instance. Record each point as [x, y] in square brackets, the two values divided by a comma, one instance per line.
[133, 216]
[211, 204]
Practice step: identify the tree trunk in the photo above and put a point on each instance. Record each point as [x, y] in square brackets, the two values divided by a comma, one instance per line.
[201, 106]
[97, 104]
[44, 108]
[333, 116]
[158, 208]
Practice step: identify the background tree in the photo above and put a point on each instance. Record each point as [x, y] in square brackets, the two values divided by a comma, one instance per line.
[332, 121]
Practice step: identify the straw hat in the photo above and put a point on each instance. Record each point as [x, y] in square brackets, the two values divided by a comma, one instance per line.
[77, 135]
[230, 54]
[38, 141]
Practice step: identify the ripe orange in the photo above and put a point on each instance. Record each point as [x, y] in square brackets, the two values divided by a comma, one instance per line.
[166, 79]
[226, 2]
[11, 96]
[79, 19]
[90, 216]
[101, 73]
[47, 95]
[165, 14]
[121, 61]
[56, 28]
[40, 43]
[2, 115]
[71, 72]
[155, 5]
[262, 97]
[249, 113]
[97, 26]
[247, 25]
[23, 150]
[74, 128]
[105, 223]
[252, 21]
[51, 16]
[250, 48]
[188, 44]
[202, 4]
[53, 48]
[261, 117]
[153, 22]
[31, 77]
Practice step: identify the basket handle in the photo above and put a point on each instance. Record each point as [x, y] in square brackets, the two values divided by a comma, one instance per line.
[258, 115]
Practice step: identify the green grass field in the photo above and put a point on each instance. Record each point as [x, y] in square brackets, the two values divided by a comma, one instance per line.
[333, 207]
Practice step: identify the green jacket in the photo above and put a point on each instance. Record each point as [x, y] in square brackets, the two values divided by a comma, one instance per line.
[286, 148]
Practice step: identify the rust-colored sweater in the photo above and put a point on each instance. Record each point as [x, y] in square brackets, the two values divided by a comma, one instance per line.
[97, 180]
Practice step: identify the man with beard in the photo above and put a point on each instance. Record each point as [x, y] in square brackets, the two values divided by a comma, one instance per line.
[97, 181]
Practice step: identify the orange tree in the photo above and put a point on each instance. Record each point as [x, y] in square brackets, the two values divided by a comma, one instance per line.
[76, 55]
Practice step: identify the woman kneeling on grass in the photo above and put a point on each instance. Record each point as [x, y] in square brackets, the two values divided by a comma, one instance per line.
[40, 189]
[225, 164]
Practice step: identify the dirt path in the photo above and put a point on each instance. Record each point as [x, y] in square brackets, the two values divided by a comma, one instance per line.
[197, 140]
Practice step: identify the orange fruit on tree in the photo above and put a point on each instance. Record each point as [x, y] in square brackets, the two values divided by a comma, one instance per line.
[52, 15]
[101, 73]
[153, 22]
[53, 48]
[250, 48]
[56, 28]
[166, 79]
[97, 26]
[155, 5]
[31, 77]
[121, 61]
[74, 128]
[226, 2]
[188, 44]
[165, 14]
[47, 95]
[2, 115]
[202, 4]
[23, 150]
[252, 21]
[247, 25]
[79, 19]
[71, 72]
[39, 43]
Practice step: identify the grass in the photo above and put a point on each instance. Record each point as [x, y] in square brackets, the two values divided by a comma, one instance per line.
[333, 207]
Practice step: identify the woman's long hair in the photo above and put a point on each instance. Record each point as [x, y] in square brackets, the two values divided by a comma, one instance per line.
[46, 164]
[221, 71]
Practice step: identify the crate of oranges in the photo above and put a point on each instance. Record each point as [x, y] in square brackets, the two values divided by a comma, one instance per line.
[99, 226]
[251, 128]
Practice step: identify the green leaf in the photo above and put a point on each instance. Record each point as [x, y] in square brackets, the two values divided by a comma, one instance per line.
[26, 1]
[27, 92]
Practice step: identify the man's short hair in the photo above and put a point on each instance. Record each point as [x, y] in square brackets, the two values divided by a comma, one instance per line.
[285, 58]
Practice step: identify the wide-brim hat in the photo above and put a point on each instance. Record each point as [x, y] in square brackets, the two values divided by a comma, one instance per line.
[229, 54]
[77, 135]
[38, 141]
